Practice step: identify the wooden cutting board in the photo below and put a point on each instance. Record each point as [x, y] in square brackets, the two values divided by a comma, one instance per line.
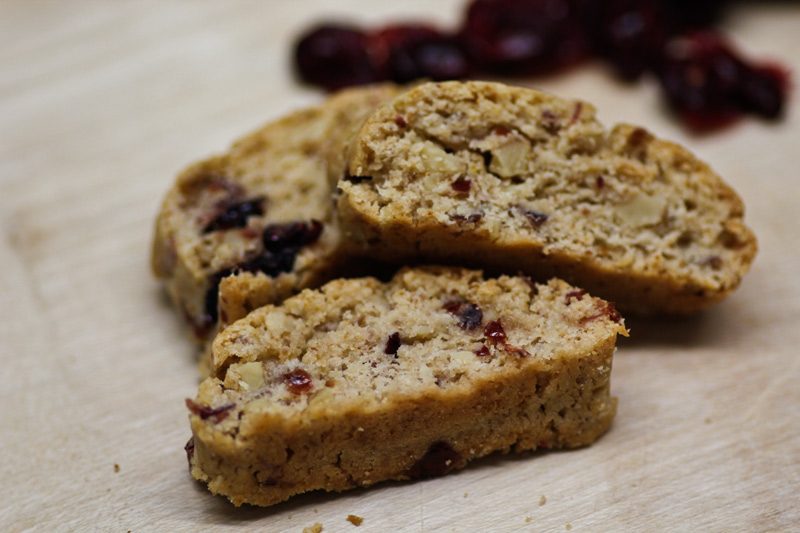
[101, 103]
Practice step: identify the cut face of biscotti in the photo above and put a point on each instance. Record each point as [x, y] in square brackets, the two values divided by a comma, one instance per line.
[362, 381]
[513, 179]
[262, 211]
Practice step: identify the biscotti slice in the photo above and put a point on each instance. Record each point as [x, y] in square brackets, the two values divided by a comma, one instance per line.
[262, 211]
[362, 381]
[513, 179]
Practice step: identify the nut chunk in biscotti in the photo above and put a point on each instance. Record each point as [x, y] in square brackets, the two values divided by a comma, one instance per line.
[513, 179]
[256, 224]
[362, 381]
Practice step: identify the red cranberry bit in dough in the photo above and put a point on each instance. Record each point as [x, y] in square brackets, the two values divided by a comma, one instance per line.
[298, 381]
[189, 449]
[516, 350]
[577, 294]
[494, 332]
[292, 235]
[392, 344]
[282, 243]
[605, 309]
[534, 217]
[217, 414]
[357, 179]
[550, 122]
[470, 316]
[461, 185]
[474, 218]
[235, 215]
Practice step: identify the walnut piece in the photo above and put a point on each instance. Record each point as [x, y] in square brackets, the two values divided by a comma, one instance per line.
[510, 159]
[642, 210]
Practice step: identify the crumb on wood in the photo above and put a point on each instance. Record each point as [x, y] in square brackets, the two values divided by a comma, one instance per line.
[466, 494]
[313, 528]
[116, 468]
[355, 519]
[707, 420]
[568, 526]
[528, 519]
[542, 500]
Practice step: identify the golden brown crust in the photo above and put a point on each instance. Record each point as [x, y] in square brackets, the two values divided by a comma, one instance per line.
[543, 189]
[429, 405]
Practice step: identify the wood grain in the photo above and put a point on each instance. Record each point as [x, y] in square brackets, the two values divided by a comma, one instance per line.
[101, 103]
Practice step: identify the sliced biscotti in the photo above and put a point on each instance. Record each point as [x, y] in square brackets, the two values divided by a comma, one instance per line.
[362, 381]
[262, 212]
[517, 180]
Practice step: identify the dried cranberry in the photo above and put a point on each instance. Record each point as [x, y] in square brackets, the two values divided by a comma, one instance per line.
[474, 218]
[292, 235]
[708, 83]
[334, 56]
[687, 14]
[217, 414]
[461, 185]
[607, 310]
[630, 34]
[235, 215]
[534, 217]
[282, 243]
[358, 179]
[612, 313]
[523, 36]
[189, 449]
[392, 344]
[494, 332]
[550, 122]
[483, 351]
[406, 52]
[469, 314]
[700, 76]
[576, 294]
[763, 91]
[516, 350]
[440, 459]
[298, 381]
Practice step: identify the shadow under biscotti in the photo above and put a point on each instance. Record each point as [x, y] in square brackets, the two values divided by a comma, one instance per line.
[224, 512]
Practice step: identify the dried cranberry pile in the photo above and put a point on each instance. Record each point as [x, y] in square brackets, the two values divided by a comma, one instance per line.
[705, 80]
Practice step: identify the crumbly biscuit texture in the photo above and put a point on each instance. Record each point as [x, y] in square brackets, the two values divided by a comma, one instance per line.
[262, 212]
[362, 381]
[514, 179]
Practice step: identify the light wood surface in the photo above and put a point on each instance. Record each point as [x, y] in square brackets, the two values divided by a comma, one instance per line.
[101, 103]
